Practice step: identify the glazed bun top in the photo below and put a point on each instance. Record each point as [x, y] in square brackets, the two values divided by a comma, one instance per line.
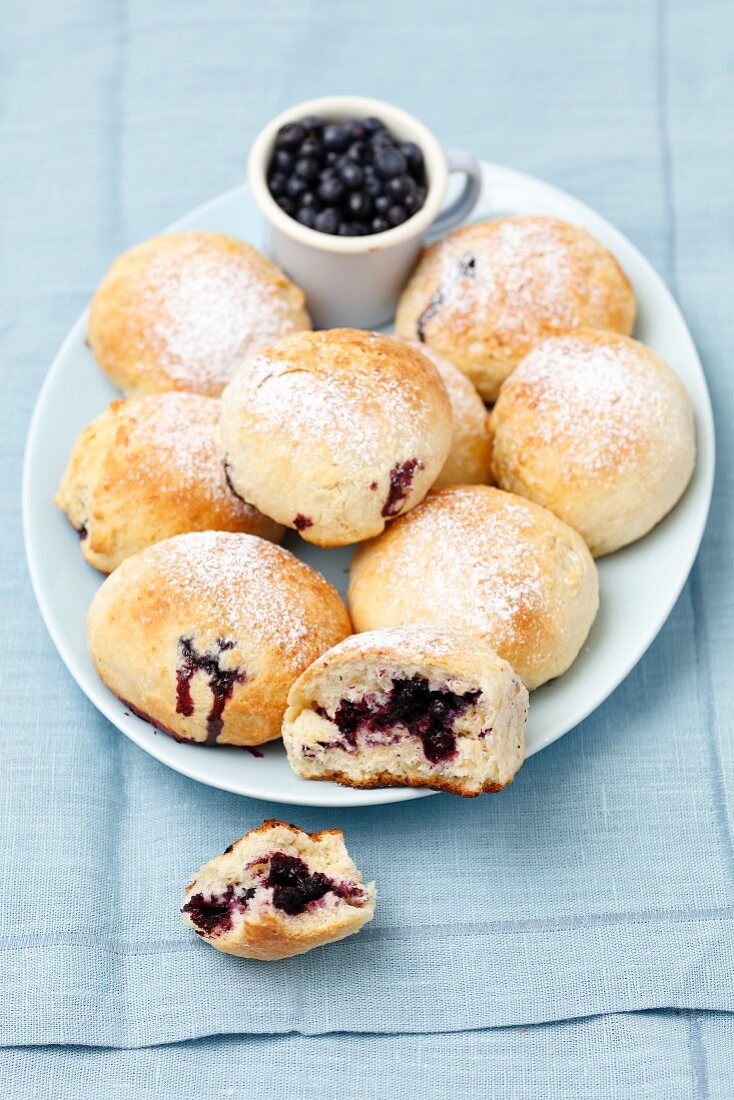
[336, 432]
[183, 310]
[486, 293]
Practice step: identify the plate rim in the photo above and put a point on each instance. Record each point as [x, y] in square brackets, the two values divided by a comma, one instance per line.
[388, 795]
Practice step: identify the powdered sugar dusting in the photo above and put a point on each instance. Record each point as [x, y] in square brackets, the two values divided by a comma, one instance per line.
[488, 569]
[597, 400]
[358, 411]
[441, 642]
[251, 588]
[520, 280]
[213, 309]
[174, 440]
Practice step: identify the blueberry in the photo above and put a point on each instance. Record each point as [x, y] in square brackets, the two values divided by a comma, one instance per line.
[346, 229]
[389, 162]
[277, 183]
[335, 137]
[359, 205]
[296, 187]
[357, 152]
[286, 204]
[310, 148]
[372, 186]
[354, 129]
[351, 175]
[396, 215]
[308, 198]
[379, 225]
[413, 155]
[307, 168]
[307, 216]
[331, 191]
[372, 124]
[383, 139]
[412, 202]
[415, 200]
[382, 204]
[283, 160]
[399, 187]
[290, 136]
[332, 156]
[311, 123]
[328, 220]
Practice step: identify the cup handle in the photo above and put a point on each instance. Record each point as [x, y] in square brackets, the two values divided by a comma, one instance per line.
[459, 161]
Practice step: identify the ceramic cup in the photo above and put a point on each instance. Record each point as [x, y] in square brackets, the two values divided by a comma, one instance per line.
[356, 281]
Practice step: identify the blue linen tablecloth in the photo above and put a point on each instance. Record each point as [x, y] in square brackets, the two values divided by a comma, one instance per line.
[572, 936]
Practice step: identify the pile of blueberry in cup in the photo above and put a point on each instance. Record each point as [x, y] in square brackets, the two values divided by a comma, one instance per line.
[349, 178]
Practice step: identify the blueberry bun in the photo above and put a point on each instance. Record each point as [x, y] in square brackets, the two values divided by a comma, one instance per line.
[278, 892]
[599, 429]
[181, 311]
[412, 706]
[148, 469]
[203, 634]
[486, 293]
[487, 563]
[335, 433]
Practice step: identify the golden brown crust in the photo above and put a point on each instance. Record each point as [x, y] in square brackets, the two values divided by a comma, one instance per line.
[470, 455]
[148, 469]
[181, 311]
[486, 293]
[437, 783]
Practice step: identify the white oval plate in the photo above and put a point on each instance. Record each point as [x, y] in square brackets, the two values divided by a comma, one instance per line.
[639, 585]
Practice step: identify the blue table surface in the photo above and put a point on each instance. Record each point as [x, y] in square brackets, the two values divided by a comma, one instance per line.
[572, 937]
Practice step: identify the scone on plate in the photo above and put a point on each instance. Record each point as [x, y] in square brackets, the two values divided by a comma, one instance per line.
[599, 429]
[204, 634]
[469, 461]
[278, 892]
[148, 469]
[411, 706]
[181, 311]
[487, 563]
[335, 433]
[486, 293]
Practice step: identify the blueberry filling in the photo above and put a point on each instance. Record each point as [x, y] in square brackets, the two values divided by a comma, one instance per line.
[294, 886]
[230, 486]
[213, 916]
[434, 304]
[467, 269]
[221, 683]
[467, 266]
[401, 479]
[425, 713]
[82, 532]
[301, 522]
[349, 178]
